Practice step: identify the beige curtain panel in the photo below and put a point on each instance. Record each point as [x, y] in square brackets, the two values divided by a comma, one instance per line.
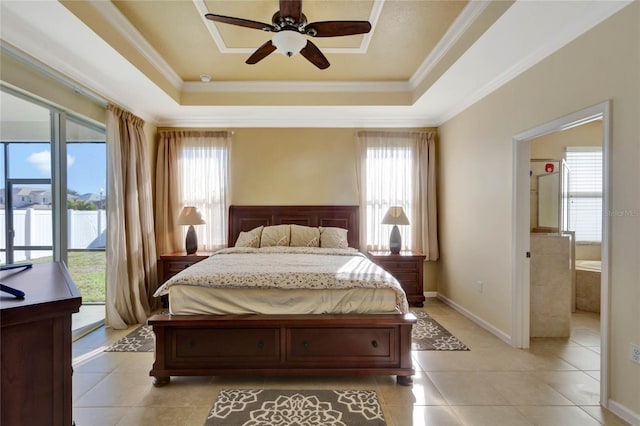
[131, 249]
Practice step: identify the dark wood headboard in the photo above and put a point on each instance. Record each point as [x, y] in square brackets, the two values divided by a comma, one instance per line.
[245, 218]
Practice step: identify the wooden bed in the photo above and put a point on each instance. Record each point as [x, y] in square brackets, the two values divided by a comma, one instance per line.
[212, 345]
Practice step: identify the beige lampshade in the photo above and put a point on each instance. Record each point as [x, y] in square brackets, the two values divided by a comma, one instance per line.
[190, 216]
[395, 216]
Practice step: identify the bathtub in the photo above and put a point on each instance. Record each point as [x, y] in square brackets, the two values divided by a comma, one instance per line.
[588, 285]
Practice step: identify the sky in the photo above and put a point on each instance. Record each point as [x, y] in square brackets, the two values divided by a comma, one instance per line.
[86, 165]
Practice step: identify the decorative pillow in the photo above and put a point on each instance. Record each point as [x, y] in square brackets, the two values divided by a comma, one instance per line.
[250, 238]
[331, 237]
[277, 235]
[304, 236]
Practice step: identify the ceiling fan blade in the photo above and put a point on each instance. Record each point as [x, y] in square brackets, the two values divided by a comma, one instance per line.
[315, 56]
[292, 8]
[239, 22]
[262, 52]
[337, 28]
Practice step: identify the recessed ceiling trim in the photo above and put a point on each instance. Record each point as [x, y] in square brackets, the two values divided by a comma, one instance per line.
[460, 25]
[252, 117]
[133, 36]
[577, 19]
[376, 9]
[277, 86]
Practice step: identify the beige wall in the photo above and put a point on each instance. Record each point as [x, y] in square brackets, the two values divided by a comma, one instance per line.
[293, 166]
[552, 146]
[476, 163]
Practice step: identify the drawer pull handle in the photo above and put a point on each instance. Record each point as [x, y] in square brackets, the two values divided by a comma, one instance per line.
[374, 343]
[260, 344]
[191, 344]
[305, 344]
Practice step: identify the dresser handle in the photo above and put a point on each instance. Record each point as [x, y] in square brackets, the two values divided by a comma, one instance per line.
[374, 343]
[191, 344]
[260, 344]
[305, 344]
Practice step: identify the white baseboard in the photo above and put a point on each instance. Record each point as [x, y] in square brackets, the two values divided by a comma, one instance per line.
[624, 413]
[482, 323]
[428, 294]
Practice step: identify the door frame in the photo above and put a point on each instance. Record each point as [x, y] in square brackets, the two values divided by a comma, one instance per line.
[521, 232]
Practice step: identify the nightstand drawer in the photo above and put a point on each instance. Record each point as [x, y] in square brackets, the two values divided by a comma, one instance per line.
[175, 266]
[406, 267]
[394, 266]
[405, 277]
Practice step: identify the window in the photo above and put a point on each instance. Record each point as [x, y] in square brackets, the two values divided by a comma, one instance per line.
[389, 182]
[204, 165]
[584, 211]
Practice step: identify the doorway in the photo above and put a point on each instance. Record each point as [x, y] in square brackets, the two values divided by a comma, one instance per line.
[521, 232]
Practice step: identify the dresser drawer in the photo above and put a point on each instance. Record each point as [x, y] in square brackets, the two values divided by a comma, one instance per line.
[345, 347]
[233, 347]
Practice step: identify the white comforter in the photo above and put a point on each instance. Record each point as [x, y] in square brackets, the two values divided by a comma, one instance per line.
[287, 267]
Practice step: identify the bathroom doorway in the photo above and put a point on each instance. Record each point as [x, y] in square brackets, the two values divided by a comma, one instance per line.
[524, 147]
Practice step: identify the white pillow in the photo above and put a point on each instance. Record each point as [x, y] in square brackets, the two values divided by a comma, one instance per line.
[277, 235]
[304, 236]
[332, 237]
[250, 238]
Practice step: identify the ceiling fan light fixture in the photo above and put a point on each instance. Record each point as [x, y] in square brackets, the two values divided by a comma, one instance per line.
[288, 42]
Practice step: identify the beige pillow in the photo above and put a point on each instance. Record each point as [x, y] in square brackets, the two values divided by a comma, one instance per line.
[331, 237]
[250, 238]
[277, 235]
[304, 236]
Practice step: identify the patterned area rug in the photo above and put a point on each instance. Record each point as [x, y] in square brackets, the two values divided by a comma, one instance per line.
[426, 335]
[296, 407]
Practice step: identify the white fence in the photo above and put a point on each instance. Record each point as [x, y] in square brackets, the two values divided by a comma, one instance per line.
[86, 229]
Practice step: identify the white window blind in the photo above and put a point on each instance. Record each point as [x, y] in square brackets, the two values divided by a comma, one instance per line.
[389, 182]
[205, 169]
[585, 192]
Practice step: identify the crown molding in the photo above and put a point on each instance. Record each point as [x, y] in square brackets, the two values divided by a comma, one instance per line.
[294, 87]
[580, 23]
[116, 19]
[298, 117]
[460, 25]
[222, 46]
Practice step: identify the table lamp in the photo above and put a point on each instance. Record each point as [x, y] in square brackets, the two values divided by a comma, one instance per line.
[190, 216]
[395, 216]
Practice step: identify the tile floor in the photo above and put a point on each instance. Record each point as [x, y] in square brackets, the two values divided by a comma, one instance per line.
[555, 382]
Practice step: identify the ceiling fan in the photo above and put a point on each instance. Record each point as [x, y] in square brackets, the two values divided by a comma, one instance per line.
[290, 27]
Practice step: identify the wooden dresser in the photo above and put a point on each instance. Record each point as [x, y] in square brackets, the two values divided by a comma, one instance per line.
[407, 268]
[36, 346]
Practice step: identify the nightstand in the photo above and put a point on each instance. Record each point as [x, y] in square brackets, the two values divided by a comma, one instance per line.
[406, 267]
[172, 263]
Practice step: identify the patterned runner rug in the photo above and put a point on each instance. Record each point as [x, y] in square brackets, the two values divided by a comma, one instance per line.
[296, 407]
[426, 335]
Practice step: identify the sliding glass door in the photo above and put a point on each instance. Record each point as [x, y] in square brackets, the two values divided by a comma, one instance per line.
[52, 197]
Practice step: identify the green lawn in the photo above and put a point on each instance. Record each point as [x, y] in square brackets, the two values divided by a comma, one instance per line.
[87, 269]
[88, 272]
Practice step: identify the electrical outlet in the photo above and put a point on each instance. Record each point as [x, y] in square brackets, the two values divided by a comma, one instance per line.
[479, 286]
[634, 353]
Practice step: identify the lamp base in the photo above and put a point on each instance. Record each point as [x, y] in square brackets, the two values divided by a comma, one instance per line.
[395, 240]
[191, 242]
